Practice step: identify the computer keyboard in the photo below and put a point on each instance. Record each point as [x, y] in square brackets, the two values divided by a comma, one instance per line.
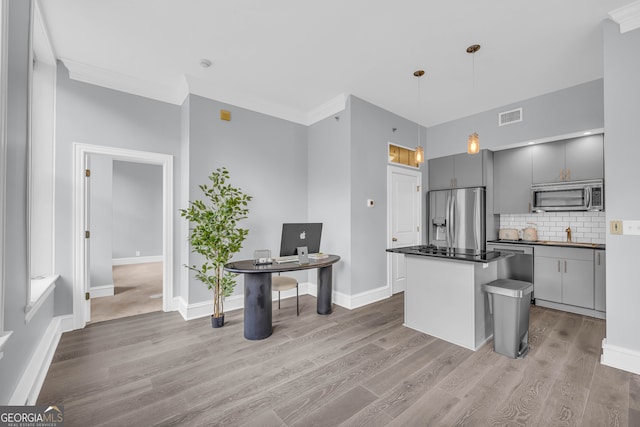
[294, 258]
[283, 259]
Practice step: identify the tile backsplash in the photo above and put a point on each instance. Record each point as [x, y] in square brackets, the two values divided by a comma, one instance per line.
[586, 227]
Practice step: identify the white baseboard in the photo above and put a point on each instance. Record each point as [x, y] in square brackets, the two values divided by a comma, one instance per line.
[620, 357]
[352, 301]
[234, 302]
[571, 309]
[137, 260]
[28, 389]
[102, 291]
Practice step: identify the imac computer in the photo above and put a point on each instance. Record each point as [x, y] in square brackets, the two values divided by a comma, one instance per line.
[300, 234]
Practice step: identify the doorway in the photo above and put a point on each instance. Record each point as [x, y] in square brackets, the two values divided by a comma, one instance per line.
[125, 246]
[404, 214]
[81, 223]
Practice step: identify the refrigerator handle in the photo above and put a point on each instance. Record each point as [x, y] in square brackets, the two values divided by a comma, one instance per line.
[450, 224]
[476, 219]
[453, 221]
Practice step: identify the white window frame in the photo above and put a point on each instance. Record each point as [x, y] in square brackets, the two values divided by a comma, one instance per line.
[4, 6]
[42, 161]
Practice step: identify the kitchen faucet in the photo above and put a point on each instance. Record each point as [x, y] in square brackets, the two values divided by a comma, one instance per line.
[568, 230]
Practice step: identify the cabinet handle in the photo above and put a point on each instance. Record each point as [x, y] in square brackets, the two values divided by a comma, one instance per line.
[598, 258]
[529, 207]
[558, 266]
[561, 174]
[568, 174]
[565, 266]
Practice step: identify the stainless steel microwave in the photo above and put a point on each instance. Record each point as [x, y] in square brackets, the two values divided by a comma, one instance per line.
[568, 196]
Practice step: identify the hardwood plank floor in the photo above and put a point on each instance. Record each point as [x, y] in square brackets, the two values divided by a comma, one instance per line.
[351, 368]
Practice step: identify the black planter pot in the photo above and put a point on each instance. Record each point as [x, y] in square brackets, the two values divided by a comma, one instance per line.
[217, 322]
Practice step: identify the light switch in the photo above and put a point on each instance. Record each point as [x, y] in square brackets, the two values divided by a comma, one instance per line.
[615, 227]
[631, 227]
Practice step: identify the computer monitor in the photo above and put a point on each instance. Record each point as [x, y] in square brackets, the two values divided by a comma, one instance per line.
[300, 234]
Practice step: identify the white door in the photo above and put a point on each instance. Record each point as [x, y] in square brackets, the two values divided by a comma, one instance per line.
[404, 196]
[87, 245]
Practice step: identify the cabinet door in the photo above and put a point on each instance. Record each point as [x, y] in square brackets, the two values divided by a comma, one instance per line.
[467, 170]
[584, 158]
[441, 173]
[512, 181]
[600, 280]
[547, 275]
[577, 283]
[548, 162]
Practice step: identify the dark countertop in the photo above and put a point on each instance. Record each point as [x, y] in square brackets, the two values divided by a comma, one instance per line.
[551, 244]
[455, 254]
[247, 266]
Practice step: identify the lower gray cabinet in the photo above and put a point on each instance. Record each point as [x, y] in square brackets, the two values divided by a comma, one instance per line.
[600, 277]
[564, 276]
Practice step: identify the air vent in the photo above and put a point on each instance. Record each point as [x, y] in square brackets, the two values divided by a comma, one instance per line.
[508, 117]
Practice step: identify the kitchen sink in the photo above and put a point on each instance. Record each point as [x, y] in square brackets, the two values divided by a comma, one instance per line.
[552, 243]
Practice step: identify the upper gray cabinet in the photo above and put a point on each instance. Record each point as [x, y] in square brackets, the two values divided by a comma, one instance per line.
[512, 181]
[458, 171]
[569, 160]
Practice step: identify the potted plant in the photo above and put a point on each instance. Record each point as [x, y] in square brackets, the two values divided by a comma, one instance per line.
[216, 236]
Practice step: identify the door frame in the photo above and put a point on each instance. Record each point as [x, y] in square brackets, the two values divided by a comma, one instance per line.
[81, 152]
[417, 174]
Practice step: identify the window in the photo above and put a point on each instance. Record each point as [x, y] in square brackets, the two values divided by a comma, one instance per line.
[4, 336]
[403, 156]
[41, 166]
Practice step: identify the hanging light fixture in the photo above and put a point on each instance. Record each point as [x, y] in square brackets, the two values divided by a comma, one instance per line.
[419, 150]
[473, 143]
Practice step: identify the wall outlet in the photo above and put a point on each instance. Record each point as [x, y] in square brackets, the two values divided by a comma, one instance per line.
[137, 253]
[631, 227]
[615, 227]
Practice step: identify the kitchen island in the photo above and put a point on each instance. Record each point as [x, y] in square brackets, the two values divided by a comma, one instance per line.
[443, 295]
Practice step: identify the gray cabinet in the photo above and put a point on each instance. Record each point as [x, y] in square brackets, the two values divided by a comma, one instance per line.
[564, 276]
[573, 159]
[600, 279]
[441, 175]
[512, 181]
[457, 171]
[584, 158]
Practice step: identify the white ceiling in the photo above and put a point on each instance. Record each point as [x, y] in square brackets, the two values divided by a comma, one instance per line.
[298, 60]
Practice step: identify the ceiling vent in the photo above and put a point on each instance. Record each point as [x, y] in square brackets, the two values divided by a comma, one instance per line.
[508, 117]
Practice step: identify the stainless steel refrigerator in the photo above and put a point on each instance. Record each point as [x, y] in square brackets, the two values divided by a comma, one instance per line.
[457, 218]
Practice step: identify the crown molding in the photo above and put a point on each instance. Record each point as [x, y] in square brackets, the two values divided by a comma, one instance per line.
[173, 94]
[176, 93]
[327, 109]
[627, 17]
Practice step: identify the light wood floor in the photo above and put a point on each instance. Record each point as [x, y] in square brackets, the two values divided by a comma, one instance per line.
[138, 290]
[351, 368]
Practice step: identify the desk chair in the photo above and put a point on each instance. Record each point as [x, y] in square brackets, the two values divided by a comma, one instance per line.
[282, 283]
[278, 283]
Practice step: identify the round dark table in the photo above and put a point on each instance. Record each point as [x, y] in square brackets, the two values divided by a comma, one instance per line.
[257, 290]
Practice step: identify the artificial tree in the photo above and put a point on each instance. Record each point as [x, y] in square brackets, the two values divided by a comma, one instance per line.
[217, 236]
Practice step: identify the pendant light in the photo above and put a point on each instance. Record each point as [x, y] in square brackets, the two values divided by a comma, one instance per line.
[473, 143]
[419, 149]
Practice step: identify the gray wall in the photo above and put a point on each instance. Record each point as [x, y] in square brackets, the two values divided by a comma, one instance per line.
[94, 115]
[371, 131]
[329, 199]
[101, 222]
[137, 209]
[558, 113]
[621, 153]
[267, 159]
[26, 336]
